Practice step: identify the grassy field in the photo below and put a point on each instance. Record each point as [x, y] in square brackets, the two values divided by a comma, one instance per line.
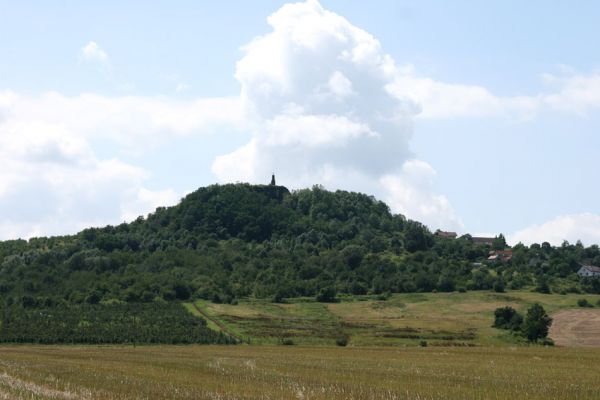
[460, 319]
[464, 359]
[278, 372]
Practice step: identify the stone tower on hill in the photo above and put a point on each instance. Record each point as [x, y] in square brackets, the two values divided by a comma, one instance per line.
[272, 180]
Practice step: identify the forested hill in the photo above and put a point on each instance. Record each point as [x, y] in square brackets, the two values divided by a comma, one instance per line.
[224, 242]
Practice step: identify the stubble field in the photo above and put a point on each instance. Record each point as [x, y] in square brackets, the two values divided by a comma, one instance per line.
[282, 372]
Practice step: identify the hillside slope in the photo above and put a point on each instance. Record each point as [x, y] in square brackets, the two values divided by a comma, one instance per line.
[225, 242]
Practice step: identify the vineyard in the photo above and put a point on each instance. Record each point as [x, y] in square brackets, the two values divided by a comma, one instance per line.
[147, 323]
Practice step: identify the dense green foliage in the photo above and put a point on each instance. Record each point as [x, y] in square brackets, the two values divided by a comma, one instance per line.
[225, 242]
[536, 324]
[584, 303]
[534, 327]
[507, 318]
[111, 323]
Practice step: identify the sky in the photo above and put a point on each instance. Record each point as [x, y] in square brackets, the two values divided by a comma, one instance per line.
[475, 117]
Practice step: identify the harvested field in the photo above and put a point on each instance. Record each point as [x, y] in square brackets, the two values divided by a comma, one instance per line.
[577, 327]
[284, 372]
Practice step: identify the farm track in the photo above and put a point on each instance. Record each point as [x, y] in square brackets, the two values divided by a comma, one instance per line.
[576, 328]
[215, 321]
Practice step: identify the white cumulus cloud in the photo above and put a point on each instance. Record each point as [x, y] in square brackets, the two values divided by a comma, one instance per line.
[410, 192]
[317, 90]
[93, 52]
[134, 121]
[52, 180]
[323, 104]
[573, 227]
[574, 93]
[571, 93]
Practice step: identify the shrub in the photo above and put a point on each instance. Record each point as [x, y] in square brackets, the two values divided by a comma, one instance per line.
[423, 343]
[287, 342]
[384, 296]
[584, 303]
[327, 295]
[342, 341]
[507, 318]
[547, 342]
[542, 286]
[499, 286]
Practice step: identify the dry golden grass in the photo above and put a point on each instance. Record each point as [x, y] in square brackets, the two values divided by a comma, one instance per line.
[579, 327]
[278, 372]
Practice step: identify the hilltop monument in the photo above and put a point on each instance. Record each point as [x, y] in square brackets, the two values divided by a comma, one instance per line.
[272, 180]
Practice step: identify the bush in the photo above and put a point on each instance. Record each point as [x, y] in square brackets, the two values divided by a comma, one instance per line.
[287, 342]
[342, 341]
[507, 318]
[499, 286]
[327, 295]
[423, 343]
[547, 342]
[584, 303]
[542, 286]
[384, 296]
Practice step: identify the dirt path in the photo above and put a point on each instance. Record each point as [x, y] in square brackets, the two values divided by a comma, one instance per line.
[576, 328]
[216, 322]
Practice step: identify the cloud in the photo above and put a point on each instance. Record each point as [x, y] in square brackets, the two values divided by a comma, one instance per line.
[445, 100]
[316, 89]
[573, 227]
[137, 122]
[321, 99]
[52, 180]
[181, 87]
[49, 188]
[93, 52]
[571, 93]
[411, 193]
[575, 93]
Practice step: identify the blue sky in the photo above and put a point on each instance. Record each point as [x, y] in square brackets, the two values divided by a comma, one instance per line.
[471, 116]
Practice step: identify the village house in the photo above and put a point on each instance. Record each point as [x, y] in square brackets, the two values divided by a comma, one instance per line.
[444, 234]
[500, 255]
[483, 240]
[588, 271]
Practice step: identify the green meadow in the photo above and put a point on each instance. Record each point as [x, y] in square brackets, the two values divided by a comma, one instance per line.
[440, 319]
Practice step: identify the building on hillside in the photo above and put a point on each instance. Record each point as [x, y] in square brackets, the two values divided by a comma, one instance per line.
[500, 255]
[483, 240]
[588, 271]
[444, 234]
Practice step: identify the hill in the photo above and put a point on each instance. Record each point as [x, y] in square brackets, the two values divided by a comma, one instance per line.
[225, 242]
[222, 243]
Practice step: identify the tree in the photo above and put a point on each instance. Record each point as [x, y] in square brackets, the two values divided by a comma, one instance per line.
[537, 323]
[507, 318]
[499, 286]
[499, 243]
[542, 285]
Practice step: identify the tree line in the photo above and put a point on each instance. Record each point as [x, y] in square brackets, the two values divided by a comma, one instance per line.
[225, 242]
